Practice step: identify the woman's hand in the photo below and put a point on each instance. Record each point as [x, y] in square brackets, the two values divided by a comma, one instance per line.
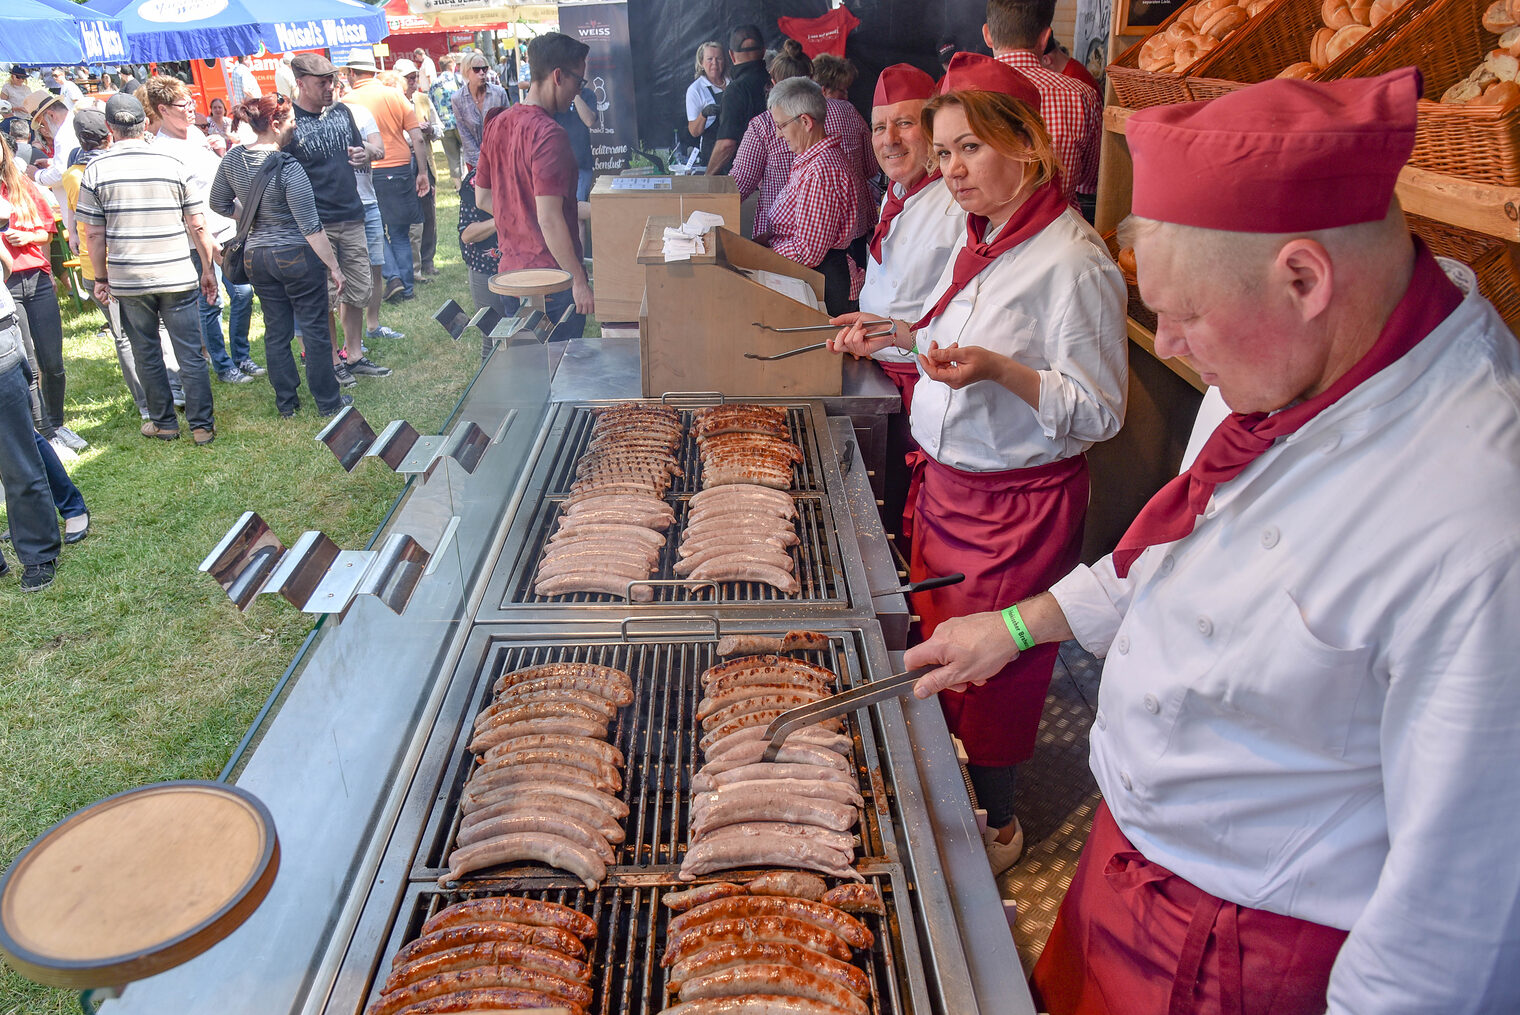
[852, 339]
[958, 365]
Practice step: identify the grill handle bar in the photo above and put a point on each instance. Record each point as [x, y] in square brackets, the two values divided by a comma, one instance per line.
[694, 396]
[794, 719]
[922, 586]
[680, 618]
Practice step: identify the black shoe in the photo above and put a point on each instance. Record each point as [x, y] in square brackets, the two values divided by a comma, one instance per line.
[345, 379]
[407, 296]
[36, 577]
[362, 367]
[5, 568]
[251, 368]
[344, 402]
[76, 537]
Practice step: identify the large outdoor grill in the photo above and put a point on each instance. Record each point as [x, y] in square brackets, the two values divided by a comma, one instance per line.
[657, 734]
[830, 579]
[363, 754]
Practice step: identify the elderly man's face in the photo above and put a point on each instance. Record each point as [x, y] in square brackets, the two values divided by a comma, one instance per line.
[793, 130]
[1242, 337]
[898, 138]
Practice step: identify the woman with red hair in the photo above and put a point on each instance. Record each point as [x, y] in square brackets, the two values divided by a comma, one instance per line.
[1024, 367]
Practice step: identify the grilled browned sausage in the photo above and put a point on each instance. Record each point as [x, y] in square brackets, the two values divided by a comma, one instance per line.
[781, 929]
[448, 938]
[562, 669]
[683, 900]
[856, 899]
[488, 999]
[724, 956]
[795, 884]
[773, 978]
[455, 980]
[533, 912]
[488, 953]
[750, 907]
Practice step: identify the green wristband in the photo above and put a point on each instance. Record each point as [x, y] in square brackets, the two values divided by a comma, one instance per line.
[1016, 627]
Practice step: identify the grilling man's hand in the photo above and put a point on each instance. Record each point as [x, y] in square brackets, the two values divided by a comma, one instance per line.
[969, 650]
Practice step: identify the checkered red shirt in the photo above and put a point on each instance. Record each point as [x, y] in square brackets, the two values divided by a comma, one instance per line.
[764, 161]
[1073, 113]
[816, 210]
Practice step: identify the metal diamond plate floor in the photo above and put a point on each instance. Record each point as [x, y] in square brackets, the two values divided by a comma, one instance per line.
[1055, 803]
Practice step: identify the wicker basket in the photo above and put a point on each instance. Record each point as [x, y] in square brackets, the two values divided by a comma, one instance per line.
[1446, 41]
[1138, 311]
[1279, 37]
[1487, 256]
[1138, 89]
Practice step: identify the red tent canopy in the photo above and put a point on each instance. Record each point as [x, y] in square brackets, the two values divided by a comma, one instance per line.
[401, 21]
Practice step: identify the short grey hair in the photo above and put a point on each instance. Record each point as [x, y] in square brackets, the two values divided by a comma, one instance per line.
[126, 133]
[798, 97]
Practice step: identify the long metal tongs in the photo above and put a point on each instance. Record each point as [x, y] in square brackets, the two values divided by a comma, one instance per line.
[794, 719]
[817, 345]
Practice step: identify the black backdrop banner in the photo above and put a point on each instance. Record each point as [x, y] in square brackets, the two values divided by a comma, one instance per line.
[665, 35]
[610, 76]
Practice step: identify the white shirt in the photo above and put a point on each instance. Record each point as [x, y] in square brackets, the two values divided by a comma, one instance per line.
[1310, 704]
[364, 179]
[1055, 303]
[913, 253]
[200, 164]
[285, 80]
[700, 94]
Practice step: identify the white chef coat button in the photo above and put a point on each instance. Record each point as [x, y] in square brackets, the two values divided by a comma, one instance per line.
[1151, 704]
[1269, 536]
[1102, 720]
[1331, 443]
[1127, 782]
[1167, 563]
[1122, 644]
[1205, 626]
[1211, 510]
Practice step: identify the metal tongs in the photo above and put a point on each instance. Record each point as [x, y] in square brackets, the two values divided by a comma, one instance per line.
[816, 346]
[794, 719]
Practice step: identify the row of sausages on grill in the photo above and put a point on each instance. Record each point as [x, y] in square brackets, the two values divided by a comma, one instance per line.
[780, 945]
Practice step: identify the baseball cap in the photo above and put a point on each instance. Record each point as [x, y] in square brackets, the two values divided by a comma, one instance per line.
[90, 126]
[122, 110]
[312, 65]
[404, 67]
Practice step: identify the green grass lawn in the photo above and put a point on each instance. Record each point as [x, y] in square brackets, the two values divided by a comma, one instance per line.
[134, 667]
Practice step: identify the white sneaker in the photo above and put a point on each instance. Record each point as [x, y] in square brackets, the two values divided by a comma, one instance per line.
[1002, 855]
[71, 439]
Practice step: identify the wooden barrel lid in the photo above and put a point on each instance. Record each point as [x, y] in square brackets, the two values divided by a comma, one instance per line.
[530, 282]
[137, 883]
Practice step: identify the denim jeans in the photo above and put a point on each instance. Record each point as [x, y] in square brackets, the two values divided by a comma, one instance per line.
[240, 297]
[66, 496]
[42, 332]
[140, 317]
[28, 501]
[292, 287]
[396, 189]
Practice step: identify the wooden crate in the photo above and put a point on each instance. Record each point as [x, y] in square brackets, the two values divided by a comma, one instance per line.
[617, 227]
[1489, 258]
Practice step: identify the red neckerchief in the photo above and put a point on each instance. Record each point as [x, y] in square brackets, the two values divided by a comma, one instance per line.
[1239, 439]
[1041, 208]
[892, 208]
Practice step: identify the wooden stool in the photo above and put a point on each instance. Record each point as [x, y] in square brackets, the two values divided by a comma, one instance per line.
[136, 884]
[531, 285]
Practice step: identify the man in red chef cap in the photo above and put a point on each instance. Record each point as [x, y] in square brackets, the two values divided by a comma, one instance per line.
[917, 231]
[1309, 715]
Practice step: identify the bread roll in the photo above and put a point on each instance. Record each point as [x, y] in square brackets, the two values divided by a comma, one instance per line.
[1303, 70]
[1222, 22]
[1178, 33]
[1510, 42]
[1255, 7]
[1462, 92]
[1185, 54]
[1381, 9]
[1499, 18]
[1336, 14]
[1317, 47]
[1502, 65]
[1505, 95]
[1345, 39]
[1206, 8]
[1155, 54]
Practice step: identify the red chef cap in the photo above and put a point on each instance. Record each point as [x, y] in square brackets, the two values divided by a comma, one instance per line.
[902, 82]
[972, 72]
[1284, 156]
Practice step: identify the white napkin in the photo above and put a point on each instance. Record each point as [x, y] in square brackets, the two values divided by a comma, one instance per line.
[688, 239]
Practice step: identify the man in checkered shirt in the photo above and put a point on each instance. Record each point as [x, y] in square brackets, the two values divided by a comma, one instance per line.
[817, 214]
[1018, 31]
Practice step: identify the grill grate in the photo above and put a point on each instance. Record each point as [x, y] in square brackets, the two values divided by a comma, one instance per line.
[658, 735]
[627, 978]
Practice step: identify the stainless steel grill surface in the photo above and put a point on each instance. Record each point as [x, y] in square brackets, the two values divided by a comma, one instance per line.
[631, 922]
[819, 564]
[658, 736]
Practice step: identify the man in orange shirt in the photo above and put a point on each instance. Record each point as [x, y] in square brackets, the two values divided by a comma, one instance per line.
[398, 184]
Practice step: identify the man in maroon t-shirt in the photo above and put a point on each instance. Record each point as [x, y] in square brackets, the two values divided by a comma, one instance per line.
[527, 174]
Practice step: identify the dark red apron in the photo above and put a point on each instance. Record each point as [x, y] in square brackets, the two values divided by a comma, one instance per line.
[1132, 938]
[903, 377]
[1013, 534]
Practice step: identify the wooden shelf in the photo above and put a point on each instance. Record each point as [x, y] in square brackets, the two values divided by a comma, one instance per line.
[1145, 338]
[1483, 207]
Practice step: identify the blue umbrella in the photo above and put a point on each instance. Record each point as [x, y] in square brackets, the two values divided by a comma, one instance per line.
[58, 32]
[158, 30]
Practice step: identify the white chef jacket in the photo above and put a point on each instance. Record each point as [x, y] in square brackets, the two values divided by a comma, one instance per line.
[913, 253]
[1055, 303]
[1310, 704]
